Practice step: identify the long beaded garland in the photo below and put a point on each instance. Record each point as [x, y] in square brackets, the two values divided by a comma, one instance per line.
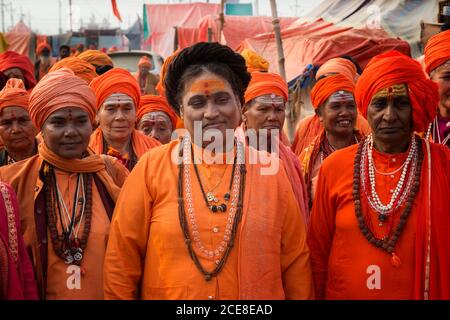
[387, 243]
[222, 252]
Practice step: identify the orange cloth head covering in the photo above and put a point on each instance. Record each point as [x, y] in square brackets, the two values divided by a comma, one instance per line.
[41, 47]
[150, 103]
[437, 51]
[254, 61]
[160, 86]
[11, 59]
[325, 87]
[14, 95]
[393, 67]
[145, 62]
[81, 68]
[263, 83]
[116, 81]
[340, 66]
[96, 58]
[57, 90]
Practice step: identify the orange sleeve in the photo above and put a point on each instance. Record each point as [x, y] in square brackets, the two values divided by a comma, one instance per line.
[295, 260]
[129, 233]
[320, 233]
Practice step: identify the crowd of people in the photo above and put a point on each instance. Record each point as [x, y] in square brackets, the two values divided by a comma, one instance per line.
[184, 185]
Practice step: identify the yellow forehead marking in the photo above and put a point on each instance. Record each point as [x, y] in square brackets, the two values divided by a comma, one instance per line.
[397, 90]
[207, 86]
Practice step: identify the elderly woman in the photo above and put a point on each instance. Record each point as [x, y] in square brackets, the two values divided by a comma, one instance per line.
[118, 98]
[15, 65]
[66, 192]
[437, 65]
[376, 230]
[16, 129]
[156, 119]
[334, 102]
[206, 230]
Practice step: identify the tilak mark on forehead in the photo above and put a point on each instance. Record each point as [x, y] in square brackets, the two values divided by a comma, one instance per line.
[397, 90]
[207, 86]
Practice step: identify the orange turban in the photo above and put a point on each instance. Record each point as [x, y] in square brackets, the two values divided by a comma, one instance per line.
[14, 95]
[96, 58]
[338, 65]
[437, 51]
[325, 87]
[57, 90]
[263, 83]
[145, 62]
[41, 47]
[160, 86]
[81, 68]
[116, 81]
[391, 68]
[254, 61]
[11, 59]
[151, 103]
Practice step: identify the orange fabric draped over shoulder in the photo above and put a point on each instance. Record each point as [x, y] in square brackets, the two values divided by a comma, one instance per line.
[14, 95]
[96, 58]
[325, 87]
[57, 90]
[437, 51]
[393, 68]
[340, 66]
[263, 83]
[11, 59]
[116, 81]
[81, 68]
[150, 103]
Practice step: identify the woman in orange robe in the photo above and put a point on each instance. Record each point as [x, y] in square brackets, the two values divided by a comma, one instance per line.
[118, 98]
[380, 220]
[66, 192]
[211, 229]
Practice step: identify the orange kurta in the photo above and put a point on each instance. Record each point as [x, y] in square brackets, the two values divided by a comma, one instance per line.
[345, 265]
[146, 251]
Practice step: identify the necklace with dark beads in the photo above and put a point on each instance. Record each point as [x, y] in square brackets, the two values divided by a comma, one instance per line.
[389, 242]
[67, 245]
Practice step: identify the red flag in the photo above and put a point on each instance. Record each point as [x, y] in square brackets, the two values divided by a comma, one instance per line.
[115, 10]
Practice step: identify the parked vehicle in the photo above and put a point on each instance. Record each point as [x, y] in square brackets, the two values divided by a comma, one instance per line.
[129, 60]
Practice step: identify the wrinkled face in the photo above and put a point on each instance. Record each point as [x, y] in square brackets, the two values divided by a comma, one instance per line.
[390, 114]
[16, 129]
[265, 112]
[441, 76]
[67, 131]
[156, 125]
[209, 99]
[14, 73]
[117, 117]
[338, 114]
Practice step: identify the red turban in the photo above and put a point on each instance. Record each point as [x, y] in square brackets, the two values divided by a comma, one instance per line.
[437, 51]
[151, 103]
[11, 59]
[81, 68]
[116, 81]
[338, 65]
[263, 83]
[96, 58]
[391, 68]
[145, 62]
[325, 87]
[57, 90]
[14, 95]
[41, 47]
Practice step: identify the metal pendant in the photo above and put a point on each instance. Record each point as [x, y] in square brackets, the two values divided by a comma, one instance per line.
[69, 259]
[210, 196]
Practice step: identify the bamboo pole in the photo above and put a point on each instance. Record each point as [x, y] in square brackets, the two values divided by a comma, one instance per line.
[221, 19]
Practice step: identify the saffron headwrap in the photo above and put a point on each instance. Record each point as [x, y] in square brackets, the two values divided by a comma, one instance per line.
[96, 58]
[41, 48]
[254, 62]
[437, 51]
[57, 90]
[116, 81]
[263, 83]
[340, 66]
[14, 95]
[393, 67]
[145, 62]
[81, 68]
[11, 59]
[325, 87]
[150, 103]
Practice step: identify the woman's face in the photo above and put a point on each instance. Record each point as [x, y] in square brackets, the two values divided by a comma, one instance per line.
[209, 103]
[265, 112]
[338, 114]
[442, 77]
[156, 125]
[16, 129]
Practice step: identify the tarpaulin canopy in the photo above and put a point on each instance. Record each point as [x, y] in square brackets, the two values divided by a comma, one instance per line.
[314, 42]
[19, 38]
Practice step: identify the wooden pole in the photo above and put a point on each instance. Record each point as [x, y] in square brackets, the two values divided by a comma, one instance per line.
[222, 19]
[279, 41]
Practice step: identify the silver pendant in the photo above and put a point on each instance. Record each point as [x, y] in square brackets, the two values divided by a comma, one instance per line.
[210, 196]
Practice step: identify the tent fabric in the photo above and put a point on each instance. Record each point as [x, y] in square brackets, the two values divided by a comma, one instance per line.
[400, 18]
[314, 42]
[19, 38]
